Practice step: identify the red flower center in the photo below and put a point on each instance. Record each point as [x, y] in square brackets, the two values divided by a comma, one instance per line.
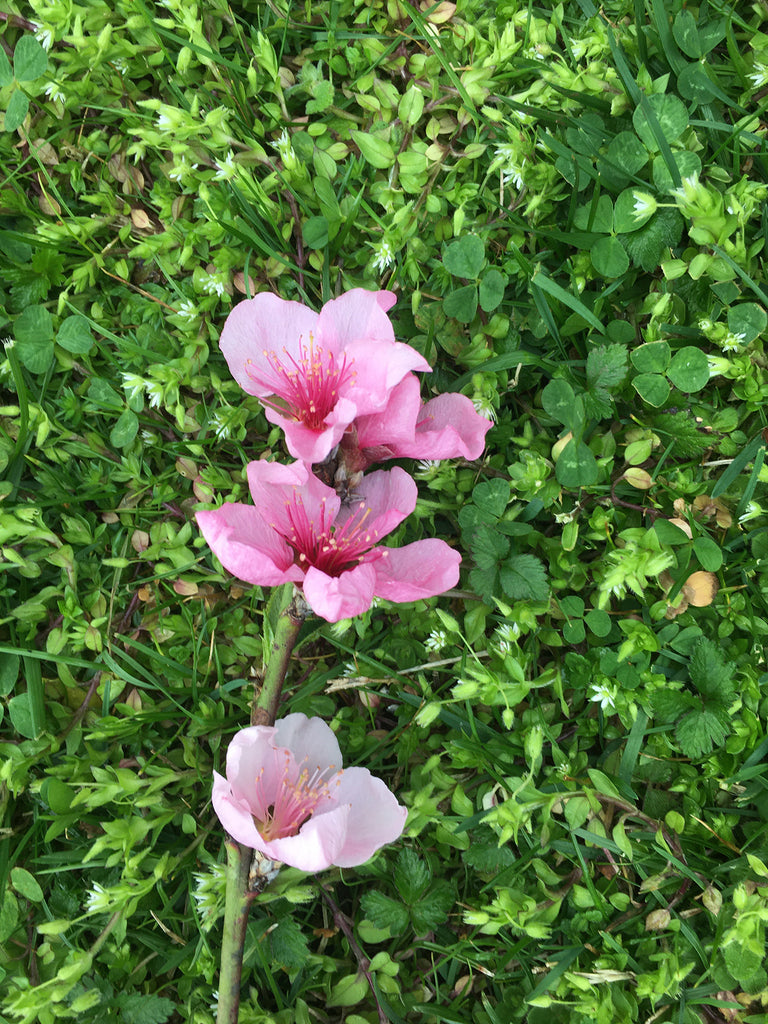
[307, 386]
[328, 547]
[294, 802]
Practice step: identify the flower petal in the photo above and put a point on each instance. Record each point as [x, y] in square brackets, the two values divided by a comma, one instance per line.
[311, 741]
[282, 493]
[317, 843]
[375, 816]
[448, 426]
[247, 546]
[260, 326]
[235, 815]
[310, 445]
[397, 423]
[418, 570]
[340, 597]
[379, 367]
[254, 772]
[391, 497]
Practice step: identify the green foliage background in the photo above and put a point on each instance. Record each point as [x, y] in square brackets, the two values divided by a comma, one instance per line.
[570, 203]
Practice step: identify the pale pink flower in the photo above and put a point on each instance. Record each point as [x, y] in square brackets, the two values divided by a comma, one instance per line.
[287, 795]
[315, 372]
[298, 530]
[445, 427]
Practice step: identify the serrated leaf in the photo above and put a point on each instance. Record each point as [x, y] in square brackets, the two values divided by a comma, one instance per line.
[384, 912]
[488, 858]
[647, 246]
[667, 705]
[524, 578]
[492, 496]
[140, 1009]
[489, 546]
[433, 909]
[485, 582]
[607, 366]
[711, 674]
[288, 944]
[411, 875]
[699, 732]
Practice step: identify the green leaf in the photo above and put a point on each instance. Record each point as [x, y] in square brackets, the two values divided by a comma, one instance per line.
[667, 705]
[136, 1008]
[6, 74]
[524, 578]
[75, 335]
[411, 106]
[747, 319]
[375, 149]
[9, 916]
[741, 961]
[26, 885]
[461, 304]
[625, 156]
[709, 554]
[29, 59]
[687, 163]
[492, 288]
[125, 430]
[21, 716]
[9, 672]
[384, 912]
[633, 208]
[488, 857]
[573, 631]
[433, 908]
[315, 232]
[16, 111]
[34, 338]
[559, 400]
[671, 115]
[411, 875]
[651, 358]
[696, 41]
[288, 944]
[699, 732]
[323, 95]
[465, 256]
[607, 366]
[492, 496]
[598, 622]
[652, 388]
[576, 466]
[595, 216]
[609, 257]
[489, 546]
[647, 246]
[710, 673]
[694, 84]
[689, 369]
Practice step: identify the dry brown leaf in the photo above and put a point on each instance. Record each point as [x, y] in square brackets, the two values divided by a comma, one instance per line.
[700, 589]
[683, 525]
[239, 282]
[48, 205]
[140, 219]
[443, 12]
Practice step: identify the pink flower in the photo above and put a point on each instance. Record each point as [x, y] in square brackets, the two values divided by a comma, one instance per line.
[287, 795]
[298, 530]
[446, 427]
[317, 372]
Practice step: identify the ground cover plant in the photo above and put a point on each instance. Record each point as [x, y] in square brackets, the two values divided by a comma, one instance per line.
[569, 203]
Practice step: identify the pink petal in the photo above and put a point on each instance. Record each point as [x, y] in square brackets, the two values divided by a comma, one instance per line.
[247, 546]
[340, 597]
[418, 570]
[357, 314]
[379, 366]
[311, 741]
[390, 495]
[309, 445]
[252, 758]
[262, 325]
[317, 843]
[448, 427]
[281, 492]
[235, 815]
[375, 816]
[397, 423]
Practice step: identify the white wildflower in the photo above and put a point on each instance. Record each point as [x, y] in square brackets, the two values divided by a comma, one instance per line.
[383, 257]
[425, 467]
[98, 900]
[221, 424]
[134, 384]
[752, 511]
[214, 286]
[644, 206]
[759, 76]
[436, 640]
[8, 343]
[54, 92]
[732, 342]
[164, 122]
[181, 170]
[226, 168]
[603, 695]
[484, 407]
[154, 392]
[44, 36]
[187, 309]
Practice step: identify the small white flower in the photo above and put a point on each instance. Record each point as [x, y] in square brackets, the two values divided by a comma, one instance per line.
[222, 425]
[154, 393]
[425, 467]
[8, 343]
[134, 384]
[148, 437]
[383, 257]
[53, 92]
[512, 165]
[164, 122]
[759, 76]
[563, 768]
[181, 170]
[214, 286]
[436, 640]
[603, 695]
[644, 206]
[44, 36]
[705, 325]
[98, 900]
[484, 407]
[226, 168]
[732, 342]
[187, 309]
[752, 511]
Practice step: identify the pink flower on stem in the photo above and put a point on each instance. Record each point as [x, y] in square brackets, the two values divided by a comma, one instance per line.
[315, 372]
[446, 427]
[287, 795]
[298, 530]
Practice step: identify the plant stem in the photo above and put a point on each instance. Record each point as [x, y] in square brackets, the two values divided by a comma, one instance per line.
[287, 630]
[236, 907]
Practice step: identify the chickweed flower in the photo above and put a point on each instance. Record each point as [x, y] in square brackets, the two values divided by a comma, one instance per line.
[603, 695]
[383, 257]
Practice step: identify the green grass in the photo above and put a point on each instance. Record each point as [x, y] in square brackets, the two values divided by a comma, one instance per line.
[570, 205]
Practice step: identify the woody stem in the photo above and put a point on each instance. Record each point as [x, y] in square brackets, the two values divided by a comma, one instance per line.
[264, 708]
